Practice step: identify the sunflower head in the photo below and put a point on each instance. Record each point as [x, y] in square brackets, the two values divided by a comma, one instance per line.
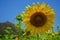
[38, 18]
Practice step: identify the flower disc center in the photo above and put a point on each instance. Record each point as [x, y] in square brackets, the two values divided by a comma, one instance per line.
[38, 19]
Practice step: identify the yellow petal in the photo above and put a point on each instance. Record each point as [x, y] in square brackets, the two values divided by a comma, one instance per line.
[28, 7]
[43, 5]
[38, 3]
[46, 9]
[34, 7]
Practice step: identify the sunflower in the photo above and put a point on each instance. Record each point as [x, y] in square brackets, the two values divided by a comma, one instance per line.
[38, 18]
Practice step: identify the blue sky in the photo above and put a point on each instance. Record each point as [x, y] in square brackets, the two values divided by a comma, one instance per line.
[10, 8]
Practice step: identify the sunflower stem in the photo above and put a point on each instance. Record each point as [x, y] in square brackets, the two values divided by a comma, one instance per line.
[52, 29]
[58, 28]
[38, 37]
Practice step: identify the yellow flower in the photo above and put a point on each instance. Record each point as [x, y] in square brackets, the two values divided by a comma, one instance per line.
[48, 31]
[16, 38]
[54, 33]
[38, 18]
